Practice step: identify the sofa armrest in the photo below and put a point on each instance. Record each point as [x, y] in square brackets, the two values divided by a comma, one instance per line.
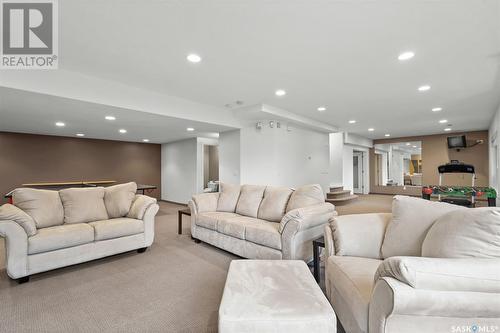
[397, 305]
[299, 227]
[149, 223]
[205, 202]
[139, 206]
[359, 235]
[16, 245]
[445, 274]
[307, 217]
[10, 212]
[329, 244]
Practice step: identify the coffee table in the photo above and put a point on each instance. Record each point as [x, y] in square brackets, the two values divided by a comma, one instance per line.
[274, 296]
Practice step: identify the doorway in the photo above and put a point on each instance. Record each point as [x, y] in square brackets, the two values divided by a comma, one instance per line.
[210, 168]
[357, 172]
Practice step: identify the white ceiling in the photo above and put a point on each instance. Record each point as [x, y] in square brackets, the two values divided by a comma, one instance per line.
[341, 54]
[27, 112]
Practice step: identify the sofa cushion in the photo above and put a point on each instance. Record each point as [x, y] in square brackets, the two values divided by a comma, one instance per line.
[251, 229]
[139, 206]
[411, 219]
[367, 229]
[44, 206]
[304, 196]
[228, 198]
[465, 233]
[114, 228]
[264, 233]
[210, 220]
[118, 199]
[352, 279]
[83, 204]
[250, 199]
[60, 237]
[10, 212]
[273, 205]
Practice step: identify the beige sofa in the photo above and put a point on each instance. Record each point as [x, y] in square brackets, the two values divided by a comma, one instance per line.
[46, 229]
[261, 222]
[427, 267]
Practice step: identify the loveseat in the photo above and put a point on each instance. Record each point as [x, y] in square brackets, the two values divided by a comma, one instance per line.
[47, 229]
[427, 267]
[261, 222]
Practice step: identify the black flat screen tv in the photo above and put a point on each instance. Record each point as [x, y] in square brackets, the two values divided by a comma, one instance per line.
[455, 142]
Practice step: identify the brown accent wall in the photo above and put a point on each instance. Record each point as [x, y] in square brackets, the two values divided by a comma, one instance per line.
[28, 158]
[434, 153]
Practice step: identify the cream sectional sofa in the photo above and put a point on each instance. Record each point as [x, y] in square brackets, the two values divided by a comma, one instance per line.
[427, 267]
[261, 222]
[46, 229]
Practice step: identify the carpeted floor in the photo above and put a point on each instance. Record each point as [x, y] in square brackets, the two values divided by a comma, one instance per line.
[175, 286]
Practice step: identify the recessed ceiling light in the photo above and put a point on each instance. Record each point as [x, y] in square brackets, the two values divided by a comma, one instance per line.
[424, 88]
[352, 121]
[321, 108]
[193, 58]
[371, 129]
[110, 118]
[280, 92]
[387, 135]
[437, 109]
[145, 140]
[408, 144]
[414, 146]
[443, 121]
[80, 134]
[60, 124]
[189, 129]
[123, 130]
[447, 129]
[406, 55]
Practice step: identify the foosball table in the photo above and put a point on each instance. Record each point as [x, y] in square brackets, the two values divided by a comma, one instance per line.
[460, 195]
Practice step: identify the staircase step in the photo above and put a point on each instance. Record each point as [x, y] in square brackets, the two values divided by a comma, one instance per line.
[342, 199]
[336, 188]
[338, 194]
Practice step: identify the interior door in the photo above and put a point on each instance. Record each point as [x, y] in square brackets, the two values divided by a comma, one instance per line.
[357, 172]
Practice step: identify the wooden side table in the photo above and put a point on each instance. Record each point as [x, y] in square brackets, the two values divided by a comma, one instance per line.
[317, 243]
[185, 211]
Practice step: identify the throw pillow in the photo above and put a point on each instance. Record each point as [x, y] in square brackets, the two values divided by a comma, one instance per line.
[470, 233]
[411, 219]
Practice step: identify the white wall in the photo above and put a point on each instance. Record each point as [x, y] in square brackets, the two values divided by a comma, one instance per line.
[229, 157]
[284, 157]
[179, 170]
[347, 168]
[494, 152]
[336, 158]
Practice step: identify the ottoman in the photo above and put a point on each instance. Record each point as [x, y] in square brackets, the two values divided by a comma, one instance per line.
[273, 296]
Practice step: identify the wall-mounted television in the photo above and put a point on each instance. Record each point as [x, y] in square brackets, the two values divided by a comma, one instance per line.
[455, 142]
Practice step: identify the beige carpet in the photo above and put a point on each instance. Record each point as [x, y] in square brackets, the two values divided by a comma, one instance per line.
[175, 286]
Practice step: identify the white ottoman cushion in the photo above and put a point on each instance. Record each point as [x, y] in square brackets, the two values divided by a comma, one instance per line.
[274, 296]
